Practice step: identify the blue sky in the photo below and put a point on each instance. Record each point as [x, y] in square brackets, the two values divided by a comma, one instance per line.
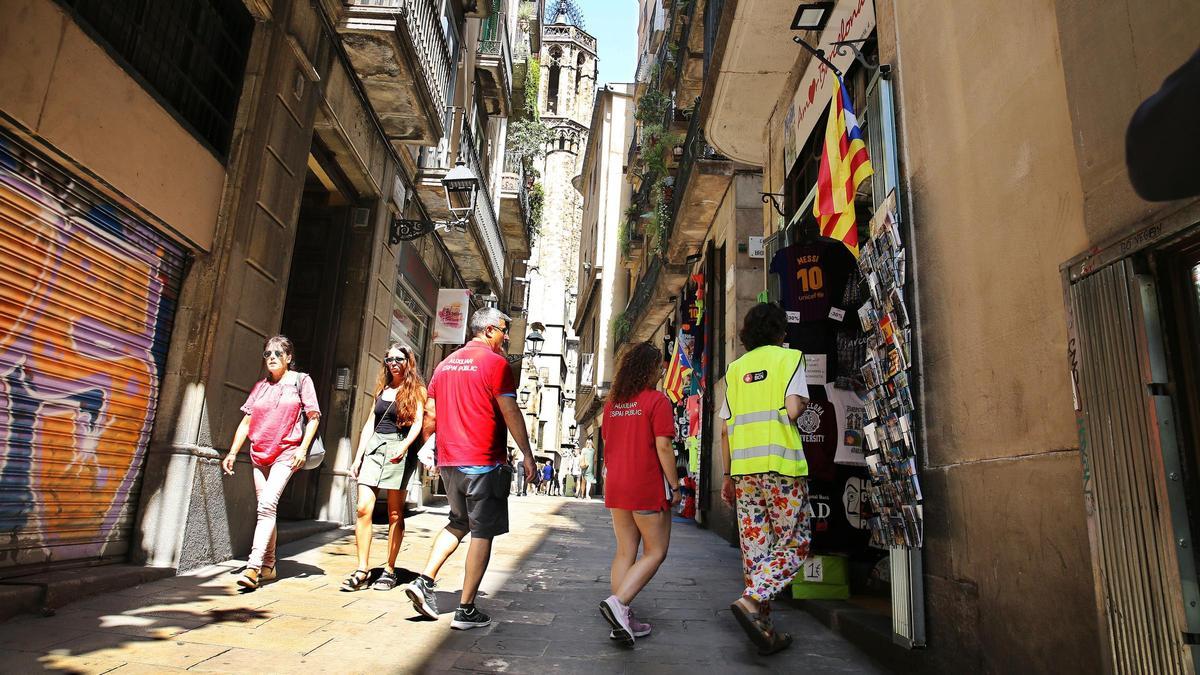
[614, 25]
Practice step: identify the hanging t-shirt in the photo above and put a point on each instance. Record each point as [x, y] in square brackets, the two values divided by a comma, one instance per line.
[819, 433]
[812, 277]
[635, 478]
[851, 414]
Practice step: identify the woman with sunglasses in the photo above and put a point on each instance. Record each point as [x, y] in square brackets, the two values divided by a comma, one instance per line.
[279, 442]
[383, 461]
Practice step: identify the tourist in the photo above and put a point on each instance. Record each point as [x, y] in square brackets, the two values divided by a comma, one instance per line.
[473, 405]
[548, 477]
[386, 460]
[565, 471]
[587, 461]
[765, 469]
[279, 442]
[641, 486]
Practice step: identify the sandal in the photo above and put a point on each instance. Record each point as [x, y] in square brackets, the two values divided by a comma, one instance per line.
[356, 581]
[757, 629]
[779, 642]
[386, 581]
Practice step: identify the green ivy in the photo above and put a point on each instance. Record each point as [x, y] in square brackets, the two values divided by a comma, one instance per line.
[621, 329]
[623, 241]
[533, 79]
[537, 202]
[651, 107]
[527, 139]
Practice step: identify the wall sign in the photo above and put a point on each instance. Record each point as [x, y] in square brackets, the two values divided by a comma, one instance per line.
[450, 321]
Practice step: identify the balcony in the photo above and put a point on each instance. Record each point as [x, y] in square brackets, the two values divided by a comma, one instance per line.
[515, 211]
[652, 300]
[400, 54]
[480, 251]
[494, 66]
[700, 184]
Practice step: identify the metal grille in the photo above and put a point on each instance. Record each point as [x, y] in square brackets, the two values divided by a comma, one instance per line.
[191, 53]
[1130, 538]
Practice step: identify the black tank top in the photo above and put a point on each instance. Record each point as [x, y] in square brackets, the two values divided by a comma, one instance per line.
[385, 417]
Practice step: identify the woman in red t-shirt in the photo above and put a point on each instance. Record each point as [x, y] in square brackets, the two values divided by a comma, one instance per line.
[641, 485]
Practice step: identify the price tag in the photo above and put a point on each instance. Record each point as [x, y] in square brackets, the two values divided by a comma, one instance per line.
[837, 314]
[814, 570]
[793, 317]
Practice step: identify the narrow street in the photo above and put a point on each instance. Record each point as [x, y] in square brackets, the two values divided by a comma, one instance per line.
[542, 589]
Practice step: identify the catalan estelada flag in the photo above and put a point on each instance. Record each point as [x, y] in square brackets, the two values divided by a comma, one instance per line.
[844, 165]
[678, 372]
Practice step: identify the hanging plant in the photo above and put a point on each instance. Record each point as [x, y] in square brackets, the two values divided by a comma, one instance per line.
[537, 202]
[621, 328]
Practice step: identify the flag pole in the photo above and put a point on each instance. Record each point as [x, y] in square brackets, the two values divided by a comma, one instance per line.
[818, 53]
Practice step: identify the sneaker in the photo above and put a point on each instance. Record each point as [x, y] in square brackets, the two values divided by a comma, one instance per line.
[420, 592]
[267, 574]
[249, 579]
[468, 618]
[640, 629]
[617, 615]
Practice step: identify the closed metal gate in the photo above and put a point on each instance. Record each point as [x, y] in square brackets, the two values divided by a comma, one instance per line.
[1131, 458]
[87, 300]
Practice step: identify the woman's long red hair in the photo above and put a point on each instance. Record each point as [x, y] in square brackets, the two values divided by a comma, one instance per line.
[411, 393]
[638, 371]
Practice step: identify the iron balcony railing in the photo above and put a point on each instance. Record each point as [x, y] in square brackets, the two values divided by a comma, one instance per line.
[694, 149]
[423, 22]
[493, 41]
[643, 292]
[485, 207]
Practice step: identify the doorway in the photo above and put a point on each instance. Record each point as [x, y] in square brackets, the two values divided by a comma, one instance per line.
[311, 307]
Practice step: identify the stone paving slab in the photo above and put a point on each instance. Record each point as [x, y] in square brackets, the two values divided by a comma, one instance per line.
[544, 585]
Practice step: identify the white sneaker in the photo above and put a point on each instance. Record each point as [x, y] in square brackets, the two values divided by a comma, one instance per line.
[640, 629]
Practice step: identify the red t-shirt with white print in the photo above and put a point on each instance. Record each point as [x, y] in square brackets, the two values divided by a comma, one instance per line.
[274, 410]
[635, 478]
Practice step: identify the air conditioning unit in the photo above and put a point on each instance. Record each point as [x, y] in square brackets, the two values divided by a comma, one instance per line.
[585, 372]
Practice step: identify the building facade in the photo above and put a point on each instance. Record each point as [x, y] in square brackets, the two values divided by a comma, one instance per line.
[1041, 315]
[568, 66]
[603, 287]
[261, 185]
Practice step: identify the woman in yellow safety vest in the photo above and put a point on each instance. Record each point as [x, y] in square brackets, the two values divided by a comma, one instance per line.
[765, 470]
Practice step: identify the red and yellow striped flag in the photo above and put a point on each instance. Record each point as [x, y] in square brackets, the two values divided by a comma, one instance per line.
[678, 372]
[844, 165]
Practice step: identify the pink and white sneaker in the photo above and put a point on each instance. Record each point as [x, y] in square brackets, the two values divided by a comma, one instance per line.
[617, 614]
[640, 629]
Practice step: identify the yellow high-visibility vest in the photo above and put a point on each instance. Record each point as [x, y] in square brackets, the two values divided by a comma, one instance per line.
[761, 437]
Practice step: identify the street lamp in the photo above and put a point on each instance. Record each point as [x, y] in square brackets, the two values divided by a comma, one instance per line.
[571, 431]
[523, 396]
[535, 340]
[461, 186]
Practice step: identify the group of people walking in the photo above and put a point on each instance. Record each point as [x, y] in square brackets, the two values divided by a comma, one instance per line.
[577, 475]
[470, 404]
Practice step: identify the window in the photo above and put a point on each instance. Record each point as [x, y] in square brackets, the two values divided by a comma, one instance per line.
[578, 74]
[410, 326]
[190, 53]
[552, 85]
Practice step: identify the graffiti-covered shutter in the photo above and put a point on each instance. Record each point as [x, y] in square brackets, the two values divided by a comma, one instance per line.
[87, 300]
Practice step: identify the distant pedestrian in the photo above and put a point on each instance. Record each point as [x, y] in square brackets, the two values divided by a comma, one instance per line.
[587, 462]
[642, 484]
[548, 477]
[565, 470]
[473, 406]
[765, 470]
[279, 442]
[386, 460]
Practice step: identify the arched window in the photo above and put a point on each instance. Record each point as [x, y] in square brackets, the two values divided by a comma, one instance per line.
[552, 86]
[578, 74]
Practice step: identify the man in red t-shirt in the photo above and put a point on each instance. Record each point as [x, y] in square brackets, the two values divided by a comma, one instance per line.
[472, 398]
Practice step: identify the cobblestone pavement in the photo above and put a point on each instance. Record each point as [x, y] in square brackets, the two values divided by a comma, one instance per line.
[542, 590]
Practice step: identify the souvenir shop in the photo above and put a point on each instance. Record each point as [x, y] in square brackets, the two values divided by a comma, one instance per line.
[852, 314]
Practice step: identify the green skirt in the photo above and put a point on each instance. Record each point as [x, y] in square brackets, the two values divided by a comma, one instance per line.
[376, 470]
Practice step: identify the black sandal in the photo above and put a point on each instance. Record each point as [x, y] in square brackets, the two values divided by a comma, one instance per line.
[356, 581]
[779, 642]
[757, 629]
[386, 581]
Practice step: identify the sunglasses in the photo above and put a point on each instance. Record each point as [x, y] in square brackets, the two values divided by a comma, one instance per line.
[273, 352]
[395, 359]
[503, 329]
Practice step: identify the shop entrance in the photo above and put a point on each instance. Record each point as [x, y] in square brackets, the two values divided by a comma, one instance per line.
[311, 308]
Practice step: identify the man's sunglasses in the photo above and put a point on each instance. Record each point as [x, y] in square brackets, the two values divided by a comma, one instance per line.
[503, 329]
[273, 352]
[395, 359]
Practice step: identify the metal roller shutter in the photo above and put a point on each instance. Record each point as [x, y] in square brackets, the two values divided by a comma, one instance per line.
[87, 300]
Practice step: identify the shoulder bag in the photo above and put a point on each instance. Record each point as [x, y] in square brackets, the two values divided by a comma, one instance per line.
[316, 451]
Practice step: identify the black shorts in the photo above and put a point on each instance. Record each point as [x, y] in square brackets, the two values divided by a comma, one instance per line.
[478, 502]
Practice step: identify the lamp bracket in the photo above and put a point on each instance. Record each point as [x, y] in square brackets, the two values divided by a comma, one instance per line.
[818, 54]
[408, 229]
[854, 46]
[769, 198]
